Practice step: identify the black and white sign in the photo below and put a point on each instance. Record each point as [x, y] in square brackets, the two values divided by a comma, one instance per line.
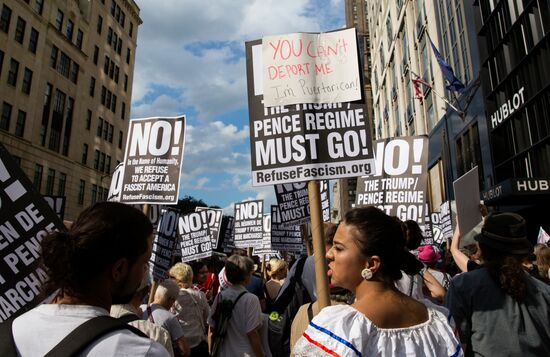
[445, 221]
[153, 159]
[399, 185]
[293, 202]
[57, 204]
[248, 229]
[25, 220]
[265, 252]
[214, 223]
[428, 229]
[194, 236]
[284, 237]
[303, 142]
[115, 188]
[228, 244]
[164, 244]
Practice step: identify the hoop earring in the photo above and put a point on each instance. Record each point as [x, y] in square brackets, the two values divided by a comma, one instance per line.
[366, 274]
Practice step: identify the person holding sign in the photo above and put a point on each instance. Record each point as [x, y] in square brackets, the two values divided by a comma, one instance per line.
[367, 258]
[100, 261]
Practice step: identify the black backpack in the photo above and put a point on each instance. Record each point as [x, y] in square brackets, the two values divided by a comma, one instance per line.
[283, 311]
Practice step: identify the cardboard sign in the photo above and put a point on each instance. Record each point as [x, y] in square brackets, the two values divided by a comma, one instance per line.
[153, 159]
[305, 142]
[194, 236]
[228, 243]
[399, 185]
[284, 237]
[57, 204]
[214, 223]
[25, 220]
[164, 244]
[248, 228]
[466, 189]
[445, 219]
[293, 202]
[311, 68]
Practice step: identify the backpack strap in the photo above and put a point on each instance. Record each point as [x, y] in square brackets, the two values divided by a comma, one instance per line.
[87, 333]
[129, 318]
[310, 312]
[238, 297]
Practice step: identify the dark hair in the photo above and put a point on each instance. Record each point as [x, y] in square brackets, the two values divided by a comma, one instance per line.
[330, 231]
[102, 234]
[237, 268]
[197, 266]
[413, 234]
[381, 235]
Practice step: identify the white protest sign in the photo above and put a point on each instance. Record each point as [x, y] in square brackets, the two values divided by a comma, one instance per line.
[194, 236]
[214, 222]
[399, 185]
[248, 226]
[153, 159]
[466, 189]
[166, 237]
[310, 68]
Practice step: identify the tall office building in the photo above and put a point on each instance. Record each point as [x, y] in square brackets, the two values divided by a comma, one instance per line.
[66, 71]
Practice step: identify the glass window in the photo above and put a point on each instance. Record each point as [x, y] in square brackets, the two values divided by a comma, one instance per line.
[120, 136]
[20, 30]
[59, 20]
[50, 179]
[99, 24]
[37, 181]
[33, 40]
[6, 116]
[64, 64]
[96, 159]
[92, 86]
[75, 68]
[88, 119]
[81, 190]
[5, 19]
[99, 127]
[61, 184]
[53, 57]
[27, 81]
[12, 74]
[39, 6]
[96, 54]
[20, 123]
[69, 30]
[79, 39]
[84, 154]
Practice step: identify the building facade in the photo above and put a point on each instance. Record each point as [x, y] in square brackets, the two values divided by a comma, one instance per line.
[66, 72]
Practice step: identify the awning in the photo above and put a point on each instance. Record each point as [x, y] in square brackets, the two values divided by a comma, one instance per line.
[518, 191]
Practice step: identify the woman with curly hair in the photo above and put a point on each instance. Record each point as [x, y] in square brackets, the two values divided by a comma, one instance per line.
[499, 308]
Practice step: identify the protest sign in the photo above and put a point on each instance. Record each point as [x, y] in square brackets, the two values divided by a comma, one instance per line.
[399, 185]
[164, 244]
[311, 68]
[214, 223]
[153, 159]
[265, 252]
[284, 237]
[25, 220]
[427, 229]
[293, 202]
[445, 219]
[116, 183]
[57, 204]
[194, 236]
[466, 189]
[304, 142]
[228, 244]
[248, 226]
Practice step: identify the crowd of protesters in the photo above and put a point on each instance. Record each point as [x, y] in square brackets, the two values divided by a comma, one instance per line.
[390, 296]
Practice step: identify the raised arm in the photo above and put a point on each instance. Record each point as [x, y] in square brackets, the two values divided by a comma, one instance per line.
[460, 258]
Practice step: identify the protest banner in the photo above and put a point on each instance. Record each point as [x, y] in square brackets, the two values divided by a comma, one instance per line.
[399, 185]
[427, 228]
[293, 202]
[445, 219]
[194, 236]
[248, 226]
[228, 244]
[265, 252]
[466, 189]
[214, 223]
[153, 159]
[311, 68]
[286, 238]
[302, 142]
[57, 204]
[25, 220]
[166, 237]
[115, 188]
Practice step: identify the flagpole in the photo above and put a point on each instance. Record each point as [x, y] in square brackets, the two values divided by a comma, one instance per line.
[460, 112]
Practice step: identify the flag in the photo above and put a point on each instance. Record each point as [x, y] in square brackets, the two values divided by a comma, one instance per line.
[543, 236]
[417, 84]
[454, 83]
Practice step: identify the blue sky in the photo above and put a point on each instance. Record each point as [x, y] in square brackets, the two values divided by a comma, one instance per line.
[190, 60]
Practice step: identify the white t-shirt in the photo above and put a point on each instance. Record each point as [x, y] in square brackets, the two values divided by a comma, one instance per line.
[191, 309]
[164, 319]
[246, 317]
[39, 330]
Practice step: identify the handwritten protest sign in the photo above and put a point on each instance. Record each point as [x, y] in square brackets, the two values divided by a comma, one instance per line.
[228, 244]
[284, 237]
[152, 163]
[445, 219]
[305, 142]
[214, 223]
[57, 204]
[164, 244]
[194, 236]
[399, 185]
[310, 68]
[293, 202]
[25, 220]
[248, 227]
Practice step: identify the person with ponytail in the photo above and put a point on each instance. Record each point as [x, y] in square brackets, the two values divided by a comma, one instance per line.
[99, 262]
[367, 257]
[499, 308]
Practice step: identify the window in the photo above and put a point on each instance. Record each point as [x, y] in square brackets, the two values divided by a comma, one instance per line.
[94, 194]
[123, 111]
[33, 40]
[88, 119]
[20, 123]
[1, 60]
[5, 19]
[128, 55]
[81, 190]
[12, 74]
[99, 127]
[96, 54]
[108, 164]
[64, 64]
[131, 31]
[105, 130]
[110, 134]
[113, 104]
[113, 7]
[20, 30]
[6, 116]
[50, 181]
[53, 57]
[120, 135]
[79, 39]
[75, 68]
[99, 24]
[39, 6]
[84, 154]
[59, 20]
[69, 30]
[37, 182]
[117, 70]
[61, 184]
[125, 82]
[108, 99]
[45, 113]
[109, 35]
[106, 65]
[27, 81]
[92, 86]
[103, 94]
[102, 162]
[68, 127]
[119, 46]
[96, 159]
[57, 120]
